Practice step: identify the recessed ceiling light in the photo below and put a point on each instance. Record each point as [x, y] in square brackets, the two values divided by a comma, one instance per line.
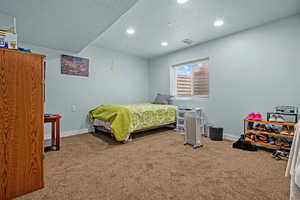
[164, 44]
[218, 23]
[130, 31]
[182, 1]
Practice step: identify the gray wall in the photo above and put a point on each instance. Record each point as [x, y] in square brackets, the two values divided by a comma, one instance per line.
[127, 84]
[6, 21]
[251, 71]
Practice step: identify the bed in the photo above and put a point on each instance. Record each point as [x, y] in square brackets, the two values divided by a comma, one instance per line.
[122, 120]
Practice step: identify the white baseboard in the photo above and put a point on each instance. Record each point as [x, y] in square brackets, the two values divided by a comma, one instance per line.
[76, 132]
[231, 137]
[90, 130]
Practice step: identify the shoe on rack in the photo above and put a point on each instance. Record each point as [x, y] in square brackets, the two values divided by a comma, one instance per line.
[251, 116]
[256, 127]
[275, 129]
[271, 140]
[262, 138]
[285, 142]
[258, 116]
[279, 143]
[284, 130]
[269, 128]
[260, 127]
[263, 127]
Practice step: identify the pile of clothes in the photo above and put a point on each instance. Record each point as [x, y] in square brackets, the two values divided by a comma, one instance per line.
[244, 145]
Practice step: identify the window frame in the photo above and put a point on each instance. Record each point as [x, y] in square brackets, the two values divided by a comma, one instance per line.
[173, 80]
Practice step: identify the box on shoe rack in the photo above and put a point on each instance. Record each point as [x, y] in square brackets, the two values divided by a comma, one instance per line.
[8, 40]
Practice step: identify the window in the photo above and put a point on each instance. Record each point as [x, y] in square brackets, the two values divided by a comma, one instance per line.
[190, 79]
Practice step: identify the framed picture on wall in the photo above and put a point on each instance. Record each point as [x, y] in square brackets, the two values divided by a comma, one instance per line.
[72, 65]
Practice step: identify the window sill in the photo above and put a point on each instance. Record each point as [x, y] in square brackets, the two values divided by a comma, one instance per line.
[178, 98]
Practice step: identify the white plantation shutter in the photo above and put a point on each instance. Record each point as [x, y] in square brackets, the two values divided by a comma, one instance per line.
[200, 80]
[184, 85]
[193, 80]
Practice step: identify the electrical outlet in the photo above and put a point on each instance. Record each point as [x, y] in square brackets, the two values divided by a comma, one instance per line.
[74, 108]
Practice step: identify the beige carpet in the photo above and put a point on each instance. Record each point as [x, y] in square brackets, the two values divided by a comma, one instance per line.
[158, 166]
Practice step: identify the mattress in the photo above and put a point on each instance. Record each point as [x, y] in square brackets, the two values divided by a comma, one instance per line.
[102, 123]
[125, 119]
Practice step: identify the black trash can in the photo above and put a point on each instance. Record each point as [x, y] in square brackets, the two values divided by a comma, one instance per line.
[216, 134]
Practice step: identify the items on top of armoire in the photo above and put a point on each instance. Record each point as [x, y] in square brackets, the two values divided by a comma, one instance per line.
[8, 32]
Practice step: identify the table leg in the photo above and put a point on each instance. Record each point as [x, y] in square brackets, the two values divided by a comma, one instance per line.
[57, 134]
[52, 134]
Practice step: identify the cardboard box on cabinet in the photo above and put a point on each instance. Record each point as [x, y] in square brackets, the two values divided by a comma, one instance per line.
[8, 40]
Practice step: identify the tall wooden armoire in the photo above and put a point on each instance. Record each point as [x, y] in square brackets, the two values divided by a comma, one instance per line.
[21, 123]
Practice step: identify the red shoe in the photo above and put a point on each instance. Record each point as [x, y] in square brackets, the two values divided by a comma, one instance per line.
[258, 116]
[251, 116]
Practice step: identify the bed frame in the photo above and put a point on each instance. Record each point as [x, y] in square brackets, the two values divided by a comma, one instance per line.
[99, 129]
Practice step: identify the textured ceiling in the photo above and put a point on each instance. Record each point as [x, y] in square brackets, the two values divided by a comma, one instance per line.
[64, 24]
[165, 20]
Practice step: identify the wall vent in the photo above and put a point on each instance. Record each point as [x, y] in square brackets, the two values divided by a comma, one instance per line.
[187, 41]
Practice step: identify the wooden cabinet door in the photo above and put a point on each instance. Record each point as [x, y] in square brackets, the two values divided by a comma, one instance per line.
[21, 123]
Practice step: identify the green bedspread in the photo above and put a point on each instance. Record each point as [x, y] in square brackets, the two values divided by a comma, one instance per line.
[125, 119]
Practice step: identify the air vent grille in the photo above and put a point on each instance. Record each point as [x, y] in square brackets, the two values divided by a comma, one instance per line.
[187, 41]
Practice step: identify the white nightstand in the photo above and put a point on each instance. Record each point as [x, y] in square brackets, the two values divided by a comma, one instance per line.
[180, 118]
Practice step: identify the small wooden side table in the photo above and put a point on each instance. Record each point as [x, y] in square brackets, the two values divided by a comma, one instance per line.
[55, 130]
